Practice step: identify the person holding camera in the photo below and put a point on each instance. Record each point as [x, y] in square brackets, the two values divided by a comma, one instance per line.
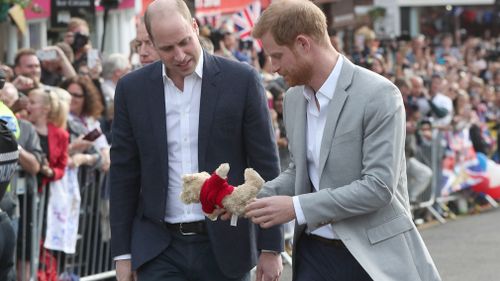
[77, 36]
[56, 66]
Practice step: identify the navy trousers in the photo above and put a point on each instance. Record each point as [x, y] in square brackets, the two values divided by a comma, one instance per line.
[187, 258]
[322, 261]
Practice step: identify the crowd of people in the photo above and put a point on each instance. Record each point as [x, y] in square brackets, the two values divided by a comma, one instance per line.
[450, 84]
[60, 101]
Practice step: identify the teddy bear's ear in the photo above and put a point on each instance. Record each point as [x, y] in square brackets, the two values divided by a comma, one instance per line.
[223, 170]
[252, 175]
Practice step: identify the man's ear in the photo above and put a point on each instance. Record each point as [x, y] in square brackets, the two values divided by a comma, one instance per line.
[303, 43]
[196, 28]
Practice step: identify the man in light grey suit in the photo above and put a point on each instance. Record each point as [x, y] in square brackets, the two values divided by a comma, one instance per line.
[188, 112]
[346, 186]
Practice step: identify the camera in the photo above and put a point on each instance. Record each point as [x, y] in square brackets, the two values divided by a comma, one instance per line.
[45, 55]
[79, 41]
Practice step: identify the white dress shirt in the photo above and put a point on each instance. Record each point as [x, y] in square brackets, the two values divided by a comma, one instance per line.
[182, 118]
[316, 120]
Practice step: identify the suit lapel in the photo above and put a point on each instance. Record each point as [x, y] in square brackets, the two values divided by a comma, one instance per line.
[299, 135]
[157, 114]
[334, 111]
[208, 101]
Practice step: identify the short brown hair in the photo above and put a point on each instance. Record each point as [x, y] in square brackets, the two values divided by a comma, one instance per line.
[23, 52]
[289, 18]
[92, 104]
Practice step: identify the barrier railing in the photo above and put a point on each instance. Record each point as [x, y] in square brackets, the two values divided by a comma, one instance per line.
[432, 198]
[91, 260]
[433, 154]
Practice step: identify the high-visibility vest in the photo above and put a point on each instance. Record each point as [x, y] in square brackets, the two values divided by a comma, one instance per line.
[8, 116]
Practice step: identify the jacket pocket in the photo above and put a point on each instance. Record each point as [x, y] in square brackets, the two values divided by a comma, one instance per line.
[350, 136]
[389, 229]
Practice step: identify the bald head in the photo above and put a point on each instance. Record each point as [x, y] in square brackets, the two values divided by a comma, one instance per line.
[174, 35]
[164, 9]
[9, 94]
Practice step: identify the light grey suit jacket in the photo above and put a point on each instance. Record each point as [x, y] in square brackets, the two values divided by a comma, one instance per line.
[362, 190]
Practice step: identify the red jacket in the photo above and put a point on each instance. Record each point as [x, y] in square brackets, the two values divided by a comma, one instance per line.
[58, 140]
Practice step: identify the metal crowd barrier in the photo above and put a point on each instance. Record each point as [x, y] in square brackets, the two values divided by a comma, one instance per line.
[433, 154]
[431, 198]
[92, 259]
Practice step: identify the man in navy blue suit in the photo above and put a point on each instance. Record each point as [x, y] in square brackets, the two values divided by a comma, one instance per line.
[186, 113]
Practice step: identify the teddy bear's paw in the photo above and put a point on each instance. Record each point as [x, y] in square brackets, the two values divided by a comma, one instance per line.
[223, 170]
[188, 197]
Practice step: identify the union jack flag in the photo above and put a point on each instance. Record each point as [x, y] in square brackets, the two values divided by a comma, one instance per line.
[244, 21]
[213, 20]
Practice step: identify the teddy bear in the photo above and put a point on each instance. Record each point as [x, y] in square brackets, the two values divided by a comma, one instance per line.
[213, 190]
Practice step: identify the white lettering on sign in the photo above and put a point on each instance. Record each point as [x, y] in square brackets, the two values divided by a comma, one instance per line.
[206, 3]
[73, 3]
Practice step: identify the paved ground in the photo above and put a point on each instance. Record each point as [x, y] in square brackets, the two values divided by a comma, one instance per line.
[464, 249]
[467, 248]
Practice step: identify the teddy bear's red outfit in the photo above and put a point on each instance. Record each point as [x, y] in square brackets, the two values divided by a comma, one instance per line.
[213, 191]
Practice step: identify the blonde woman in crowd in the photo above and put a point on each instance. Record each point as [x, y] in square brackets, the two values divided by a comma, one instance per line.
[48, 114]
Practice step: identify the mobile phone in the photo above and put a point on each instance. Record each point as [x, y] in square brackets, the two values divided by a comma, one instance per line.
[46, 54]
[92, 135]
[92, 58]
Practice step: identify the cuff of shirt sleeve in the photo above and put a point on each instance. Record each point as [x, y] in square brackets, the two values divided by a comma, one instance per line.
[123, 257]
[299, 214]
[270, 251]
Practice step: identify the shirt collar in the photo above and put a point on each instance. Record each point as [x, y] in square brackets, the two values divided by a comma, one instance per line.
[328, 88]
[198, 70]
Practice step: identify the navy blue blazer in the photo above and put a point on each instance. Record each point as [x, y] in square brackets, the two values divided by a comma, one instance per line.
[234, 127]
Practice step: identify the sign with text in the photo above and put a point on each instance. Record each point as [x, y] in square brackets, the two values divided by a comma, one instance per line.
[63, 10]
